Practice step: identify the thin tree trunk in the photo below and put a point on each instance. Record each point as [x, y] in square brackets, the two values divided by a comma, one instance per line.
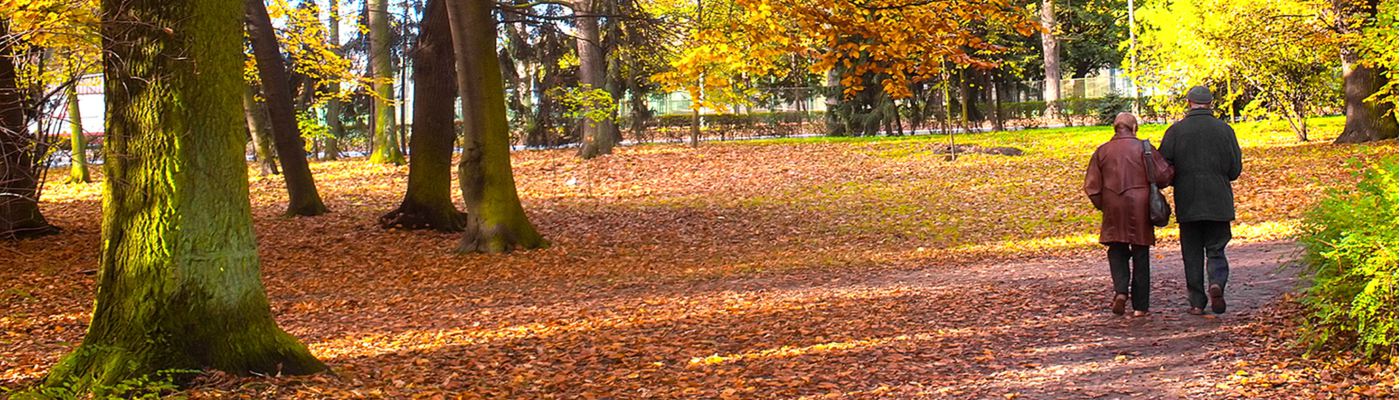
[592, 74]
[303, 198]
[386, 144]
[496, 221]
[337, 127]
[257, 129]
[428, 201]
[78, 168]
[1050, 46]
[179, 286]
[19, 187]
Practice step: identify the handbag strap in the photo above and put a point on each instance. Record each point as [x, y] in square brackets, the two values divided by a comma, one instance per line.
[1147, 159]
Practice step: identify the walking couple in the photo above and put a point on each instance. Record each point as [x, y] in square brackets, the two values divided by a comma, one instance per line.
[1199, 157]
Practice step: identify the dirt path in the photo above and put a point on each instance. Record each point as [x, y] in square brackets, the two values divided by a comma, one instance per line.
[1080, 350]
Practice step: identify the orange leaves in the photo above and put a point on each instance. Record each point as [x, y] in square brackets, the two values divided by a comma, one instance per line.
[904, 41]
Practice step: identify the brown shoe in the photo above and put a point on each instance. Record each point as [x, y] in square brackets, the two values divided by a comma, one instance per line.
[1119, 302]
[1196, 311]
[1140, 313]
[1217, 298]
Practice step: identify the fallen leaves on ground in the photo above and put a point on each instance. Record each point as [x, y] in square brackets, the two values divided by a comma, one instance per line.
[802, 269]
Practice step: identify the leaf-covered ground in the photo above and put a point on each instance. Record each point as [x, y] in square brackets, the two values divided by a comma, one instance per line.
[787, 268]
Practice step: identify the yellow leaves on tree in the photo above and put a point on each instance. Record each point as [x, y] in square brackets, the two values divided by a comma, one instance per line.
[66, 30]
[901, 41]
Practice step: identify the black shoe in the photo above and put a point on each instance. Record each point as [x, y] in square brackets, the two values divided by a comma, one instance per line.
[1217, 299]
[1119, 301]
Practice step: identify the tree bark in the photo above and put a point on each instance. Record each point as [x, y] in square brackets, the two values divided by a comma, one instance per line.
[1365, 121]
[257, 129]
[337, 127]
[303, 198]
[386, 142]
[427, 204]
[592, 74]
[179, 286]
[1050, 46]
[78, 166]
[496, 221]
[19, 185]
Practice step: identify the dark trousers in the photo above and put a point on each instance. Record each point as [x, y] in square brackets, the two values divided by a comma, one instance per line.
[1137, 282]
[1203, 247]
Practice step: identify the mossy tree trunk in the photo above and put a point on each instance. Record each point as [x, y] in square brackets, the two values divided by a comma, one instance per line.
[257, 130]
[331, 151]
[78, 170]
[386, 142]
[496, 221]
[427, 204]
[19, 183]
[302, 197]
[179, 286]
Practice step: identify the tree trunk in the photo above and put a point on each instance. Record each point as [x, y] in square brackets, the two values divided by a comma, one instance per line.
[19, 185]
[78, 167]
[179, 286]
[1365, 121]
[496, 221]
[1050, 47]
[639, 110]
[303, 198]
[428, 201]
[257, 129]
[592, 74]
[337, 127]
[386, 143]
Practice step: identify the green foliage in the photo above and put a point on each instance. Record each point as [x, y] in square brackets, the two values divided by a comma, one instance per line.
[1350, 239]
[585, 102]
[311, 127]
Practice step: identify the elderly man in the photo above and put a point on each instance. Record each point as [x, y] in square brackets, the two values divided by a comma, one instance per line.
[1117, 182]
[1207, 158]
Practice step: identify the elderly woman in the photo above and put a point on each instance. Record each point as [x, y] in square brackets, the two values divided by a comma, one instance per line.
[1117, 184]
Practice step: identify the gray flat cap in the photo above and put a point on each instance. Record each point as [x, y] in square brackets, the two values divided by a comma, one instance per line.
[1199, 95]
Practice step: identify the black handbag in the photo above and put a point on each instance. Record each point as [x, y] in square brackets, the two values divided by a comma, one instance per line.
[1158, 210]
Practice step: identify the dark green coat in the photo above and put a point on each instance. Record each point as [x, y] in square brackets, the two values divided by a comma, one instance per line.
[1206, 156]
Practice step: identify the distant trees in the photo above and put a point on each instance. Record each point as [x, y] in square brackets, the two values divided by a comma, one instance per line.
[179, 287]
[386, 143]
[302, 197]
[1278, 58]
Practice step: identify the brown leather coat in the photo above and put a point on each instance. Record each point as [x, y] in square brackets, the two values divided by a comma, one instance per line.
[1116, 183]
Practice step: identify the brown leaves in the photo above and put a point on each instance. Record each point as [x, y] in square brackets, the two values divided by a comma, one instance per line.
[865, 269]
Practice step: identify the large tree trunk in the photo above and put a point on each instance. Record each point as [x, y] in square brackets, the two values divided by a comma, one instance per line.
[337, 127]
[496, 221]
[1365, 121]
[303, 198]
[1050, 46]
[257, 130]
[428, 201]
[78, 166]
[19, 185]
[592, 74]
[386, 142]
[179, 286]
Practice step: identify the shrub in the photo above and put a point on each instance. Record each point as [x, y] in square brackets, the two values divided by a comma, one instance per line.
[1350, 243]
